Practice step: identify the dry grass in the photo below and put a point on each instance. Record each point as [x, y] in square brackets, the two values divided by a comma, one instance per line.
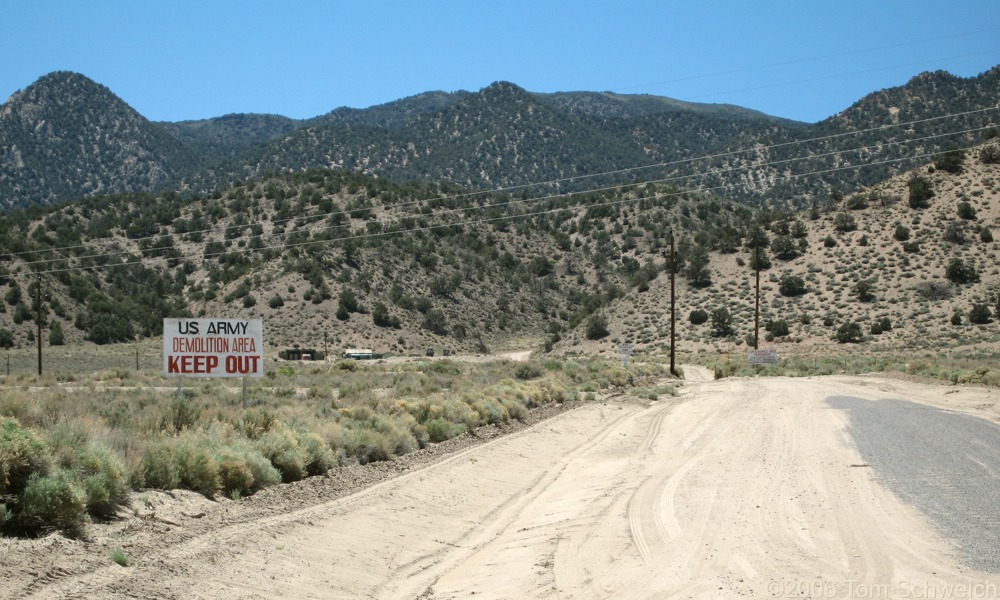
[76, 448]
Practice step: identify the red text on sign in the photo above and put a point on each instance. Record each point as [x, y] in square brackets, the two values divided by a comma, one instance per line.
[191, 365]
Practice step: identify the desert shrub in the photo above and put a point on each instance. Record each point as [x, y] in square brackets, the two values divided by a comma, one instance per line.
[457, 411]
[966, 211]
[120, 557]
[235, 475]
[698, 316]
[319, 456]
[397, 430]
[829, 242]
[22, 454]
[857, 201]
[990, 154]
[435, 321]
[980, 314]
[722, 322]
[104, 479]
[360, 412]
[158, 467]
[902, 233]
[950, 161]
[255, 423]
[439, 430]
[52, 502]
[849, 333]
[367, 445]
[527, 372]
[954, 233]
[381, 316]
[985, 235]
[597, 327]
[196, 466]
[515, 410]
[281, 447]
[419, 433]
[777, 328]
[920, 192]
[911, 247]
[791, 285]
[424, 411]
[241, 467]
[179, 415]
[956, 317]
[6, 515]
[864, 290]
[958, 271]
[844, 222]
[56, 336]
[264, 473]
[490, 411]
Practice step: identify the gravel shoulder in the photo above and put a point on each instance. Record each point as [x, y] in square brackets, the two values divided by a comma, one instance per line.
[737, 488]
[945, 463]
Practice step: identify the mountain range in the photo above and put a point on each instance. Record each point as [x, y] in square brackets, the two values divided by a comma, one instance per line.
[66, 137]
[332, 255]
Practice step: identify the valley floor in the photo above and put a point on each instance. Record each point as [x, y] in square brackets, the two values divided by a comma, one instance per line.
[736, 488]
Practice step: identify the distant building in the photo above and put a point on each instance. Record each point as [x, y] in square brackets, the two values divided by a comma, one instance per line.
[301, 354]
[359, 353]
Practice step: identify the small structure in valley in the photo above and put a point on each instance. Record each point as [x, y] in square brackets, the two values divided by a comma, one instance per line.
[359, 353]
[301, 354]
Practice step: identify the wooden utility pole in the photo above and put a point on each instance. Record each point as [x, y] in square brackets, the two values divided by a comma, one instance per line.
[38, 320]
[673, 316]
[756, 304]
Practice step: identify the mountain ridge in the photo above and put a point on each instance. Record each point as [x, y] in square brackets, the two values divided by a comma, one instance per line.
[477, 140]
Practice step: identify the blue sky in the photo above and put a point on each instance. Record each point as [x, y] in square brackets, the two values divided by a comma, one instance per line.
[801, 59]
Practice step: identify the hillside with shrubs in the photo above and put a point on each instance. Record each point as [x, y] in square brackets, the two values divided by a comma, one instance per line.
[910, 264]
[333, 259]
[330, 258]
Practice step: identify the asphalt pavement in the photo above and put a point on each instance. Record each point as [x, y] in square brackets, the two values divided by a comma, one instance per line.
[946, 464]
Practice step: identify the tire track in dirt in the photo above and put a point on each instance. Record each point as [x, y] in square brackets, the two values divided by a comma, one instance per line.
[738, 486]
[495, 522]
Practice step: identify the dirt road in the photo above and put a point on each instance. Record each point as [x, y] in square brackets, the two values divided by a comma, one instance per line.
[737, 488]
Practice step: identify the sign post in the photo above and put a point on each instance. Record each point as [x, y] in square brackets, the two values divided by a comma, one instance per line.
[625, 350]
[213, 348]
[762, 356]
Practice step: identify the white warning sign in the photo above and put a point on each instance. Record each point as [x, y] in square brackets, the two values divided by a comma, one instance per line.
[213, 347]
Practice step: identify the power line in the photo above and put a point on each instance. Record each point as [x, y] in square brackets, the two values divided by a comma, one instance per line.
[807, 60]
[825, 77]
[370, 235]
[557, 196]
[510, 203]
[560, 181]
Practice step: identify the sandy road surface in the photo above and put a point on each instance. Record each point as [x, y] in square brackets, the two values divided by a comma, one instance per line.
[738, 488]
